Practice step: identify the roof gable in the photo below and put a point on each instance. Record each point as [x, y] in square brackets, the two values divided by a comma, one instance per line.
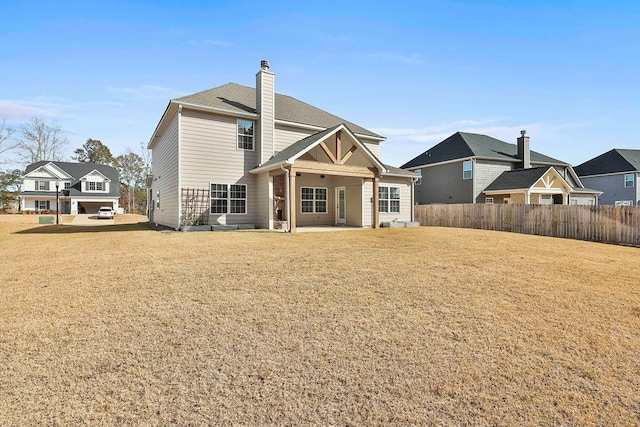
[47, 170]
[298, 149]
[521, 179]
[462, 145]
[94, 172]
[613, 161]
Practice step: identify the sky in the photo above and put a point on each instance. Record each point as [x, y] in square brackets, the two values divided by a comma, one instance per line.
[567, 72]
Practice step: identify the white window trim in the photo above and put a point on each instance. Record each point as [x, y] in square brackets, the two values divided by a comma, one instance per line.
[238, 135]
[315, 200]
[86, 188]
[388, 199]
[488, 200]
[633, 180]
[419, 180]
[470, 162]
[228, 199]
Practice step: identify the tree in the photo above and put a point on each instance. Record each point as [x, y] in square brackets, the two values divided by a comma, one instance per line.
[93, 151]
[132, 174]
[9, 182]
[5, 137]
[41, 141]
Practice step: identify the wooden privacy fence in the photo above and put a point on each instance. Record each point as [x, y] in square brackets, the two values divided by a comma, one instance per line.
[610, 224]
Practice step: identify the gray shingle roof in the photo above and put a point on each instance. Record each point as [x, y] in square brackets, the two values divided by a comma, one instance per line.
[517, 179]
[236, 98]
[464, 145]
[77, 171]
[613, 161]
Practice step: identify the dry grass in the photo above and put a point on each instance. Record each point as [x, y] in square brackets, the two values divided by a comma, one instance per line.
[130, 326]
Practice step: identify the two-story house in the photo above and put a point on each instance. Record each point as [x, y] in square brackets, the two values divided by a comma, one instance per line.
[235, 157]
[474, 168]
[616, 174]
[75, 187]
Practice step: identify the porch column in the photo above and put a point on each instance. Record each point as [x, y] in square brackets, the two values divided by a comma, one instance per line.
[376, 207]
[292, 201]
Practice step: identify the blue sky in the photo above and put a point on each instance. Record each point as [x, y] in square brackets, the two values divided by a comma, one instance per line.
[568, 72]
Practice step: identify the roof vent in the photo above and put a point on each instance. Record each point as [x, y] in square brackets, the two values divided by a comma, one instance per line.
[264, 65]
[522, 132]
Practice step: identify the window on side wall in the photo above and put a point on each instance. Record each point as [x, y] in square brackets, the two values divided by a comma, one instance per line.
[467, 170]
[389, 199]
[419, 180]
[313, 200]
[488, 200]
[245, 135]
[628, 180]
[228, 199]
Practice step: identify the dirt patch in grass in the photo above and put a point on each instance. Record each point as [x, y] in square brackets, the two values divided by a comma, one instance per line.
[375, 327]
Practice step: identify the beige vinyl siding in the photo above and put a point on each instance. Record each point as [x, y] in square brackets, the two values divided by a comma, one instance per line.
[367, 203]
[209, 154]
[286, 135]
[265, 102]
[165, 176]
[310, 180]
[353, 188]
[372, 145]
[405, 199]
[486, 171]
[264, 203]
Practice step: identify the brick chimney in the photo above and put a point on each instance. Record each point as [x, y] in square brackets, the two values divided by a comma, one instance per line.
[524, 152]
[265, 107]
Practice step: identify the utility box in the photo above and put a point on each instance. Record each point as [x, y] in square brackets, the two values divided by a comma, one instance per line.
[45, 220]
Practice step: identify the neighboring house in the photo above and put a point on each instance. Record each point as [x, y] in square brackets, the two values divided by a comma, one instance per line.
[473, 168]
[616, 174]
[235, 157]
[81, 187]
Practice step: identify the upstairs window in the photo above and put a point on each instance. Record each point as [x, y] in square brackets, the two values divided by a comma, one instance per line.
[467, 170]
[628, 180]
[245, 135]
[95, 186]
[42, 185]
[67, 185]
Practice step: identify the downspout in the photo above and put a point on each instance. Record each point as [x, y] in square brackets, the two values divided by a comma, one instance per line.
[178, 195]
[287, 200]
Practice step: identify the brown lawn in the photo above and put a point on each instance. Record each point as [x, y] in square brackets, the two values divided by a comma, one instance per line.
[124, 325]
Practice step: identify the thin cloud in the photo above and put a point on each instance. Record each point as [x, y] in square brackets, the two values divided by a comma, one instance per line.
[23, 110]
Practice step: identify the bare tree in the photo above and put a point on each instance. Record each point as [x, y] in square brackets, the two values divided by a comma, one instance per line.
[5, 138]
[131, 170]
[41, 141]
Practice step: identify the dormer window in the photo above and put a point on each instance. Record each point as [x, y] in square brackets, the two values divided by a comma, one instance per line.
[95, 186]
[42, 185]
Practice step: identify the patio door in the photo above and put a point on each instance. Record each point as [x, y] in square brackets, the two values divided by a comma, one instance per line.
[341, 206]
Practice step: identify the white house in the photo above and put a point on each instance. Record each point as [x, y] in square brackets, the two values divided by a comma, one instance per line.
[80, 187]
[235, 156]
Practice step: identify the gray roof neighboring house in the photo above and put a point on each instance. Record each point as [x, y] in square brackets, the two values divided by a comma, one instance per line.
[463, 145]
[77, 171]
[235, 98]
[517, 179]
[613, 161]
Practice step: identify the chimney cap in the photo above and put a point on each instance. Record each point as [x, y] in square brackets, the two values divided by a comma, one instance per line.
[264, 64]
[523, 132]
